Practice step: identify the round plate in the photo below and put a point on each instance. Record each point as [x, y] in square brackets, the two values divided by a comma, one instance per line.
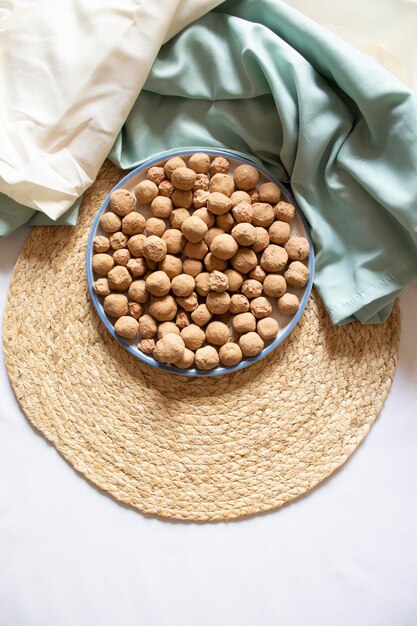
[299, 227]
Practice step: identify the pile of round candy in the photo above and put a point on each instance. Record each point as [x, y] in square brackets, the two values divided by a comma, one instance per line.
[193, 285]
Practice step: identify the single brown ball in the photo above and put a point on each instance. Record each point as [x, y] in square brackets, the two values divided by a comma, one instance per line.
[205, 215]
[119, 278]
[193, 267]
[156, 174]
[193, 336]
[135, 245]
[118, 240]
[201, 315]
[244, 233]
[224, 246]
[121, 257]
[183, 285]
[183, 178]
[137, 291]
[146, 191]
[218, 302]
[200, 198]
[218, 281]
[167, 327]
[274, 285]
[199, 163]
[240, 196]
[267, 328]
[127, 327]
[261, 239]
[174, 240]
[284, 211]
[219, 165]
[226, 222]
[158, 283]
[246, 177]
[239, 304]
[251, 344]
[263, 214]
[218, 203]
[102, 264]
[169, 349]
[279, 232]
[135, 309]
[101, 243]
[297, 274]
[258, 274]
[230, 354]
[269, 192]
[122, 202]
[195, 250]
[188, 303]
[155, 226]
[163, 309]
[297, 248]
[213, 263]
[182, 199]
[243, 212]
[274, 258]
[202, 284]
[154, 248]
[217, 333]
[110, 222]
[186, 361]
[261, 307]
[171, 265]
[201, 182]
[147, 327]
[252, 288]
[235, 279]
[161, 207]
[178, 216]
[133, 223]
[244, 260]
[101, 287]
[206, 358]
[254, 196]
[116, 305]
[166, 189]
[182, 319]
[137, 267]
[194, 229]
[212, 233]
[147, 346]
[172, 165]
[223, 183]
[244, 322]
[288, 304]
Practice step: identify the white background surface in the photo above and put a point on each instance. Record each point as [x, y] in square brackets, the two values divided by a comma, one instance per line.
[345, 554]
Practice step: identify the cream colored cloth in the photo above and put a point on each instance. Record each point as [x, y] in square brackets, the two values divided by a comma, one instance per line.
[70, 72]
[383, 29]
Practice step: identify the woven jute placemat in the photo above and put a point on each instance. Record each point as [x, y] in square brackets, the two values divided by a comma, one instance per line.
[191, 449]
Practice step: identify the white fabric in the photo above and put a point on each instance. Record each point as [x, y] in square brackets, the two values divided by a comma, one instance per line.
[70, 72]
[346, 554]
[384, 29]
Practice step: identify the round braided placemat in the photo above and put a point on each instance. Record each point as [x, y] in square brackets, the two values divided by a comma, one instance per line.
[191, 449]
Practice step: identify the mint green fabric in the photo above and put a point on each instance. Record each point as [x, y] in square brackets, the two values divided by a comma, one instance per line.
[258, 77]
[13, 215]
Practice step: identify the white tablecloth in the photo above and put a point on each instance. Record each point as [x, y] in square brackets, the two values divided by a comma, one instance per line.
[345, 554]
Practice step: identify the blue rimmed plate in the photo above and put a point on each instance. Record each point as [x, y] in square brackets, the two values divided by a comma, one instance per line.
[299, 227]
